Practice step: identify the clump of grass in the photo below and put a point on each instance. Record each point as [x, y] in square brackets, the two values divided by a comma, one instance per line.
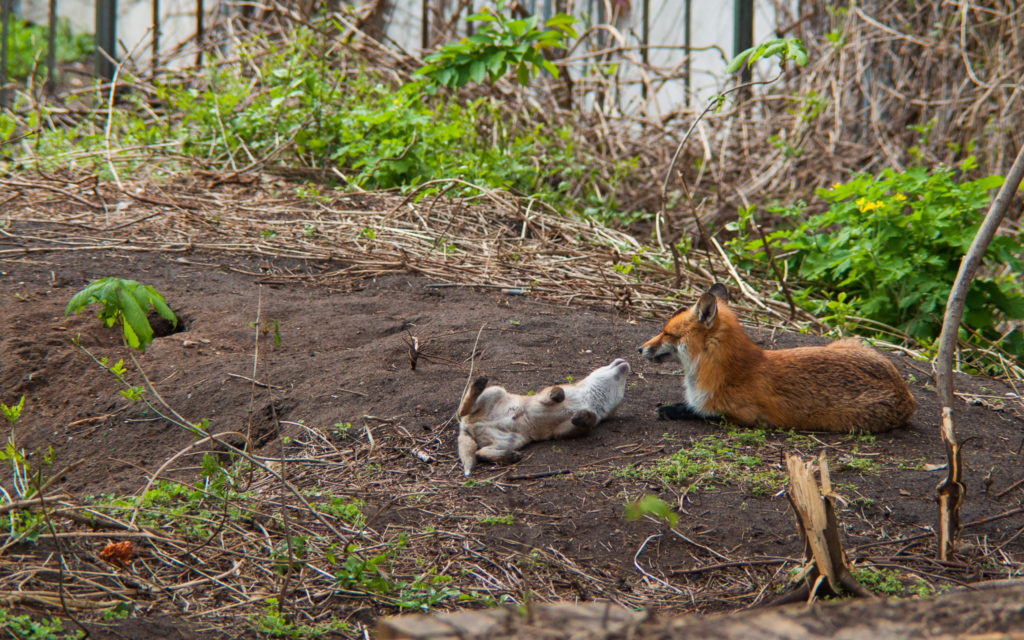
[720, 460]
[888, 582]
[505, 519]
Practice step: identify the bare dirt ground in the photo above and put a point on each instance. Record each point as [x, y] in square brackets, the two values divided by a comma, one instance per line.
[336, 391]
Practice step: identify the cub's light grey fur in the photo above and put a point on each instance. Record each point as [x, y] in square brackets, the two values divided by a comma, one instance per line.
[494, 424]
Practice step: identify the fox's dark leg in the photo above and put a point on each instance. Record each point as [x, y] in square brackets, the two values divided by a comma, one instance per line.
[677, 411]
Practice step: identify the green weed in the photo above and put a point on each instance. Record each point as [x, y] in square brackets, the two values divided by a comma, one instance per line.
[28, 43]
[653, 505]
[861, 465]
[499, 45]
[861, 502]
[349, 511]
[24, 627]
[716, 460]
[506, 519]
[275, 624]
[375, 574]
[884, 581]
[24, 524]
[302, 105]
[799, 441]
[124, 301]
[887, 582]
[342, 429]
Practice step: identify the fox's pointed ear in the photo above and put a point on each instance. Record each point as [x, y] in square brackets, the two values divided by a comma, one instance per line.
[719, 291]
[707, 309]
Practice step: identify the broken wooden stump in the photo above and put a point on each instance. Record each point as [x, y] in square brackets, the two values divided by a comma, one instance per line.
[826, 570]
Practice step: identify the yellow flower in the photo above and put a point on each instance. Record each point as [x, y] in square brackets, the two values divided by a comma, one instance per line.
[865, 206]
[899, 197]
[836, 185]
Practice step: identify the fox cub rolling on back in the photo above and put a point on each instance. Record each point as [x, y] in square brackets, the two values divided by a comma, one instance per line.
[844, 386]
[494, 424]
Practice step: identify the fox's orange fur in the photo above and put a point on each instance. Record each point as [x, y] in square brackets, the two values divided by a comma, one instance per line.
[844, 386]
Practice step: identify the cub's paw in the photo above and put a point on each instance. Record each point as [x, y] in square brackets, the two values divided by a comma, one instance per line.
[479, 385]
[584, 419]
[582, 422]
[510, 457]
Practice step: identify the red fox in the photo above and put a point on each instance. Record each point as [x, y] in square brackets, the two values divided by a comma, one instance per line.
[494, 423]
[844, 386]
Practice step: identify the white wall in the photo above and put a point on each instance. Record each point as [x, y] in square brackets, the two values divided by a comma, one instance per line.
[134, 22]
[711, 35]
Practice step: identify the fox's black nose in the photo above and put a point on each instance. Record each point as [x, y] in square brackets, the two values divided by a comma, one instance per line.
[640, 350]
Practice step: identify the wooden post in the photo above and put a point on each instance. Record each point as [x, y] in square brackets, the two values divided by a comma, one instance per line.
[200, 31]
[106, 38]
[51, 50]
[424, 25]
[743, 32]
[155, 61]
[688, 47]
[5, 17]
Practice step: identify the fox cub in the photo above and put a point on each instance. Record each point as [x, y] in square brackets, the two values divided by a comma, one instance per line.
[494, 424]
[844, 386]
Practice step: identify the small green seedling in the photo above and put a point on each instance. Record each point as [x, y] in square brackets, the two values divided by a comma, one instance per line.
[784, 48]
[13, 412]
[653, 505]
[126, 301]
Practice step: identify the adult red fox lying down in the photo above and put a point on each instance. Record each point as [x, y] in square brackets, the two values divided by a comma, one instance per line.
[494, 424]
[844, 386]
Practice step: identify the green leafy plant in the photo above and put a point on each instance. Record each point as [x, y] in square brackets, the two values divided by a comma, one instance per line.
[24, 627]
[275, 624]
[882, 581]
[28, 47]
[499, 44]
[716, 460]
[124, 301]
[858, 463]
[887, 249]
[312, 103]
[349, 511]
[119, 611]
[25, 524]
[506, 519]
[13, 412]
[357, 572]
[653, 505]
[784, 48]
[289, 554]
[422, 594]
[888, 582]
